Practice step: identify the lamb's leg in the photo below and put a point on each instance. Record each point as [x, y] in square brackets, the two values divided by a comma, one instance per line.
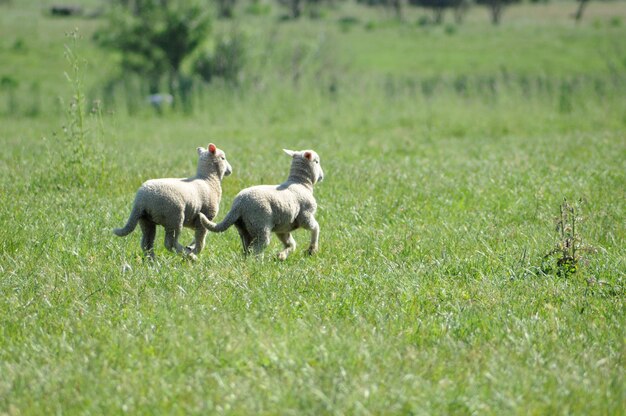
[260, 240]
[171, 241]
[288, 242]
[198, 244]
[148, 229]
[312, 225]
[191, 247]
[246, 238]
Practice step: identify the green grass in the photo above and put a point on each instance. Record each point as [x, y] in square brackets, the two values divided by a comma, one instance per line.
[436, 210]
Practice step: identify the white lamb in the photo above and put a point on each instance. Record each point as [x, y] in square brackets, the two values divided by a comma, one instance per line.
[177, 203]
[260, 210]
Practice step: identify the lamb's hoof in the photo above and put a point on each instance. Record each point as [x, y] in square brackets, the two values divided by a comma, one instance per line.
[191, 257]
[282, 256]
[312, 250]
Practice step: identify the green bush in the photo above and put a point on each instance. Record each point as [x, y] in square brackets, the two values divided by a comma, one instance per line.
[226, 61]
[156, 38]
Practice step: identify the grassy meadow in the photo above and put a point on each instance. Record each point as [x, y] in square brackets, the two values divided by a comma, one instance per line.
[447, 152]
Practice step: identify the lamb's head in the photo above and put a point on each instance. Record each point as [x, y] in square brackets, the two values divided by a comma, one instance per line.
[213, 160]
[306, 163]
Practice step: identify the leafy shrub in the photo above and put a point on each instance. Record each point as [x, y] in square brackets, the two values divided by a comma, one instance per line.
[564, 259]
[19, 46]
[423, 21]
[346, 22]
[616, 21]
[156, 38]
[258, 8]
[9, 85]
[81, 163]
[226, 61]
[370, 25]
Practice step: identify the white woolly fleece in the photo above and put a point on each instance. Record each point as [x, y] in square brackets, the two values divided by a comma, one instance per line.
[177, 203]
[260, 210]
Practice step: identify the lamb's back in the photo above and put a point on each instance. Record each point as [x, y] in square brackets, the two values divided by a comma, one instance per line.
[279, 203]
[161, 198]
[164, 191]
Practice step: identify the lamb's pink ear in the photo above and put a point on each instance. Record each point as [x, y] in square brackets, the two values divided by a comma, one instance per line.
[212, 148]
[308, 155]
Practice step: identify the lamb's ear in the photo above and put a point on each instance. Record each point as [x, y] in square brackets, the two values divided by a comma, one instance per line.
[200, 150]
[212, 148]
[289, 152]
[308, 155]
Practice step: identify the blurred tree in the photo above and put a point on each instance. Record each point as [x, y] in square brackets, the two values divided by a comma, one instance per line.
[496, 7]
[227, 59]
[226, 8]
[155, 36]
[394, 5]
[581, 9]
[439, 7]
[294, 7]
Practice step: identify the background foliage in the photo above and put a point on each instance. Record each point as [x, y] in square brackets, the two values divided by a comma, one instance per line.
[448, 151]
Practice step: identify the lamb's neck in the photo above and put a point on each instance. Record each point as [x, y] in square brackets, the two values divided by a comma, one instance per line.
[208, 176]
[300, 175]
[203, 172]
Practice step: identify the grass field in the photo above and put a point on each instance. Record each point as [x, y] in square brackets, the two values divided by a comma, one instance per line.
[447, 153]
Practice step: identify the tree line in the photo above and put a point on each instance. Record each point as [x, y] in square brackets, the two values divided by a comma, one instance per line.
[155, 37]
[295, 8]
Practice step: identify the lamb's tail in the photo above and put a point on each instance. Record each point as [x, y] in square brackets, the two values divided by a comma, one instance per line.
[230, 219]
[135, 214]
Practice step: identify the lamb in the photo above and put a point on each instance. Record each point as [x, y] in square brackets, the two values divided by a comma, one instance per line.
[260, 210]
[177, 203]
